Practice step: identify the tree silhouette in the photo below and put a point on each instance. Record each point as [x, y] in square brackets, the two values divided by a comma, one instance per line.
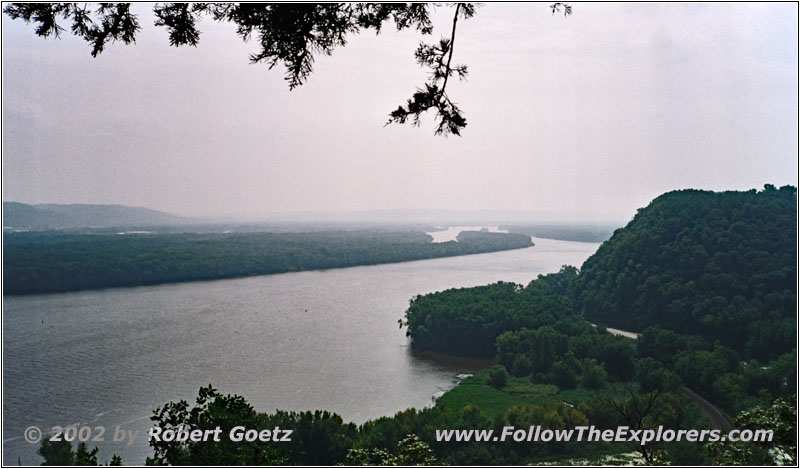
[287, 33]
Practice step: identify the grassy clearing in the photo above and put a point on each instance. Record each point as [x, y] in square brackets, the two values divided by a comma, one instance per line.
[517, 392]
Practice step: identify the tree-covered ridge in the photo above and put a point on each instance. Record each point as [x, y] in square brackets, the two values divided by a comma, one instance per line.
[718, 265]
[734, 251]
[54, 262]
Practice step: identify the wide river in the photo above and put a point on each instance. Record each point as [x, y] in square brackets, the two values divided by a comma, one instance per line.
[297, 341]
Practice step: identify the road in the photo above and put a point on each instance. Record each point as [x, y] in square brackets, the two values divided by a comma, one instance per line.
[719, 419]
[630, 335]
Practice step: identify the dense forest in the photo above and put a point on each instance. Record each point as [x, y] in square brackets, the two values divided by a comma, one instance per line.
[718, 265]
[467, 321]
[708, 278]
[50, 261]
[534, 331]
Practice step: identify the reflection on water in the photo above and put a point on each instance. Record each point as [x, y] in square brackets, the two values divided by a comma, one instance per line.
[450, 363]
[296, 341]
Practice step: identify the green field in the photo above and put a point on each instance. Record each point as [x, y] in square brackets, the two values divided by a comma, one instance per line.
[476, 391]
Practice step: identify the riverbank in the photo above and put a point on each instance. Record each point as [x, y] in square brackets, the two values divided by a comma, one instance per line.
[51, 262]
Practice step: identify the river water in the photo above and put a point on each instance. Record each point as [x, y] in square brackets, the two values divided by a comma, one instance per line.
[296, 341]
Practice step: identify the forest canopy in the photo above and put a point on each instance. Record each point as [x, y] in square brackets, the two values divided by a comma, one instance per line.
[720, 265]
[52, 261]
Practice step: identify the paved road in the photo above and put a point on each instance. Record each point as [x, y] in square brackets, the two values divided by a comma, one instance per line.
[630, 335]
[719, 419]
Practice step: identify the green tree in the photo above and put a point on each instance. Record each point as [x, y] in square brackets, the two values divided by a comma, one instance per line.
[522, 365]
[565, 372]
[652, 375]
[212, 410]
[84, 457]
[593, 375]
[781, 418]
[56, 453]
[60, 453]
[498, 376]
[319, 438]
[617, 355]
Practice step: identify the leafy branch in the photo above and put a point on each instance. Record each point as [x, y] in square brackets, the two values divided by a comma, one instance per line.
[438, 58]
[291, 34]
[556, 8]
[112, 21]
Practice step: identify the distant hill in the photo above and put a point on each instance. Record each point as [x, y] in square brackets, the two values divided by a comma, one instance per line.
[53, 216]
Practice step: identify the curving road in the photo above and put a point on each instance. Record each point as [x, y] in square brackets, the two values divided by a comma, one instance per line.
[719, 419]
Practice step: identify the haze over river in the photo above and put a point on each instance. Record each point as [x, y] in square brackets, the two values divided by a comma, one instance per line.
[297, 341]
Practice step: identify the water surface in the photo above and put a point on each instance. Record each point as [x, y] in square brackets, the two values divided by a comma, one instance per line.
[296, 341]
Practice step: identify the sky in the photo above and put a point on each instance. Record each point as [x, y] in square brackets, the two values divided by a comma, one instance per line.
[583, 118]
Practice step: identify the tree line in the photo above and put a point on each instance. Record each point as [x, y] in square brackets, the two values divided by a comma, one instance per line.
[42, 262]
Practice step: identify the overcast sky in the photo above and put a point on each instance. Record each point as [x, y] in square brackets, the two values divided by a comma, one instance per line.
[590, 116]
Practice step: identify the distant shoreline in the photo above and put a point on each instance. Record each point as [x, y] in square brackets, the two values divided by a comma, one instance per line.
[40, 263]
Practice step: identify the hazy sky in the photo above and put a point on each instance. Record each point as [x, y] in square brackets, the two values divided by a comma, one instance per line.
[592, 115]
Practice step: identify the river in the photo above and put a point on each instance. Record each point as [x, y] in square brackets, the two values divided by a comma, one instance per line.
[296, 341]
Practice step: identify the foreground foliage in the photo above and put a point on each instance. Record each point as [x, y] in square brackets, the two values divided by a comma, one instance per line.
[408, 438]
[781, 418]
[411, 451]
[60, 453]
